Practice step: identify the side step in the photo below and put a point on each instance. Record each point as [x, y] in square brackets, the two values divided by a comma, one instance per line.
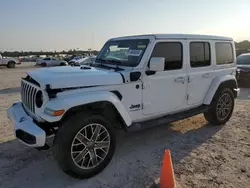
[166, 119]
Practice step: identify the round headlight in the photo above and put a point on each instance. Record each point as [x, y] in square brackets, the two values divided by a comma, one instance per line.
[39, 99]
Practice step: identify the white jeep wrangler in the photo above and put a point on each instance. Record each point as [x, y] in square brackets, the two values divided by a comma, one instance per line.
[136, 82]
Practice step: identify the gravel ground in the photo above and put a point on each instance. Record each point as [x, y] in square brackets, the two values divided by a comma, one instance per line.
[203, 155]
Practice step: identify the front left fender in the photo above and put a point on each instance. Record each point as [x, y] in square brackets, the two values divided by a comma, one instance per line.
[74, 100]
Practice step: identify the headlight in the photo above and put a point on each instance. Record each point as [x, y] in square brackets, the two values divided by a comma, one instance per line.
[39, 99]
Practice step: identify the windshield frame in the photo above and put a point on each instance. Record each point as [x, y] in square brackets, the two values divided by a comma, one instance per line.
[121, 63]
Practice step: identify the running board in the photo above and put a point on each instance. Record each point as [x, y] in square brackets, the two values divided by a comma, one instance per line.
[166, 119]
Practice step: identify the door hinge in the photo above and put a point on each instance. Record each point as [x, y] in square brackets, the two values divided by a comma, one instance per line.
[188, 97]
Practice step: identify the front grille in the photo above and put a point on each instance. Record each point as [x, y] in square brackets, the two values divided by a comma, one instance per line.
[28, 95]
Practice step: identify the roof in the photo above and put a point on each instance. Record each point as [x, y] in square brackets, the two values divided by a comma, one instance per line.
[179, 36]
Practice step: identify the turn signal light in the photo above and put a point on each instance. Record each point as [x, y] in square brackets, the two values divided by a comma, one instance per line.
[54, 112]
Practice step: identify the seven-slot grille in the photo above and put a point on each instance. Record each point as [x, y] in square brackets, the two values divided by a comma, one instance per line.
[28, 95]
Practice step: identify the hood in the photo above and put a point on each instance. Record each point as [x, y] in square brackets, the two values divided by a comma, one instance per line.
[68, 77]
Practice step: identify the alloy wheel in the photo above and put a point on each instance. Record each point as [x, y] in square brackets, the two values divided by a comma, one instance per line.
[90, 146]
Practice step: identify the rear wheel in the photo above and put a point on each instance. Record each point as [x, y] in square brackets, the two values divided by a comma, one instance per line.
[11, 64]
[62, 64]
[43, 64]
[221, 108]
[84, 145]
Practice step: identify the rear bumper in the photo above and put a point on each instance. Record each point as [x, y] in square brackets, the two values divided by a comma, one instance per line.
[25, 129]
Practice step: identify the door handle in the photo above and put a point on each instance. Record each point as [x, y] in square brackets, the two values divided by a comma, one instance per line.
[180, 79]
[206, 75]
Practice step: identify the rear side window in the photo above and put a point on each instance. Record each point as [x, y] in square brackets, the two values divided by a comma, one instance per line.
[224, 53]
[200, 54]
[172, 52]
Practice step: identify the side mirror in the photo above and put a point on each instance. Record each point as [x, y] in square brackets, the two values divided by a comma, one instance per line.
[157, 64]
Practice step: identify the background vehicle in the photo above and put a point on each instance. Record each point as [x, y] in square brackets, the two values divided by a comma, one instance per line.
[51, 61]
[243, 70]
[136, 82]
[85, 61]
[9, 62]
[75, 59]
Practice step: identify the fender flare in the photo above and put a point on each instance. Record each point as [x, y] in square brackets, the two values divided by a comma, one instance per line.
[71, 101]
[215, 85]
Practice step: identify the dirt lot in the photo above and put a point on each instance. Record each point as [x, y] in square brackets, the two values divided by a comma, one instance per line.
[203, 155]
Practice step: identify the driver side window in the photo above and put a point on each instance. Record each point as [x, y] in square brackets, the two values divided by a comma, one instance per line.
[172, 52]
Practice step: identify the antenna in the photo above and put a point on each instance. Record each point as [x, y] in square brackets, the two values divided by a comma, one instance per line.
[92, 42]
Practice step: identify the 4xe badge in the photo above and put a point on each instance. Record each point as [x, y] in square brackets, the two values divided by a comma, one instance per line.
[135, 107]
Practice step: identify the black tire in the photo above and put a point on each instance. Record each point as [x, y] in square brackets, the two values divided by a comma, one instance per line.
[62, 64]
[65, 137]
[11, 64]
[212, 116]
[43, 64]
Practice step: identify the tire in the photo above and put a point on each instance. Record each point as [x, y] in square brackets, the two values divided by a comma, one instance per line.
[62, 64]
[214, 115]
[11, 64]
[43, 64]
[63, 147]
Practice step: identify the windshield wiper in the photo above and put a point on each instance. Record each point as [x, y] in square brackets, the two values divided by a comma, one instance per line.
[98, 60]
[117, 62]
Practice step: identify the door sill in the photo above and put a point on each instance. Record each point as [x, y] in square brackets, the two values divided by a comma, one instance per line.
[166, 119]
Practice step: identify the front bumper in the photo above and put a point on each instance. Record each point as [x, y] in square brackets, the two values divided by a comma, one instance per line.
[25, 129]
[237, 91]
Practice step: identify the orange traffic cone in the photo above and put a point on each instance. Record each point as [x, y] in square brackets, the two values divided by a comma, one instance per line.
[167, 179]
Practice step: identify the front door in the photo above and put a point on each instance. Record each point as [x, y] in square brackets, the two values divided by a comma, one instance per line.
[200, 72]
[165, 91]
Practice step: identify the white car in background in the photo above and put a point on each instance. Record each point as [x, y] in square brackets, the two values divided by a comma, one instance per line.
[85, 61]
[50, 61]
[9, 62]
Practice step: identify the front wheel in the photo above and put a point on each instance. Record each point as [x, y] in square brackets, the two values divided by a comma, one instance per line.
[84, 145]
[43, 64]
[221, 108]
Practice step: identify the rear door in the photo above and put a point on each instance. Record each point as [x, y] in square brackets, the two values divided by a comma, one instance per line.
[200, 71]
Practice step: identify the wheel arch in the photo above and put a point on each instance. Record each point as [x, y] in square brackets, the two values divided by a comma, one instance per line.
[105, 103]
[11, 61]
[105, 108]
[228, 81]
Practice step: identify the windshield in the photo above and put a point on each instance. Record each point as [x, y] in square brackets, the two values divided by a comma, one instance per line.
[123, 52]
[243, 60]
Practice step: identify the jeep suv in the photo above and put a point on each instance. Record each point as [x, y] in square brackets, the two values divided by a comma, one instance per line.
[136, 82]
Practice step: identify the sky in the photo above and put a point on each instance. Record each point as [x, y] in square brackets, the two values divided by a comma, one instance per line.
[35, 25]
